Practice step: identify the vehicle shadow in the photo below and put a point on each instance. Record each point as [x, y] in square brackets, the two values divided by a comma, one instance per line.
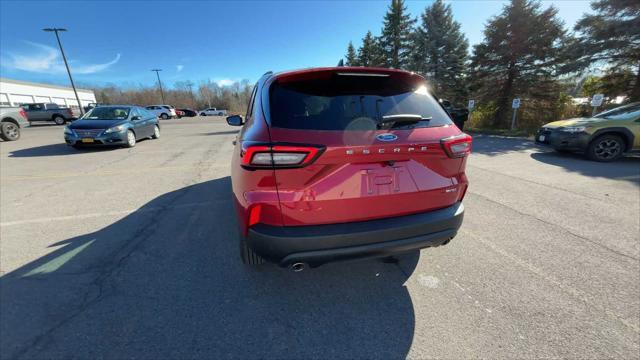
[166, 282]
[626, 168]
[218, 133]
[56, 150]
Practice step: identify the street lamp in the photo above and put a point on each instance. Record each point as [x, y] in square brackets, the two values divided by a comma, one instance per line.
[159, 83]
[64, 57]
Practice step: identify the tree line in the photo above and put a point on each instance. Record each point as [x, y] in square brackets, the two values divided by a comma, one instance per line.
[183, 94]
[527, 53]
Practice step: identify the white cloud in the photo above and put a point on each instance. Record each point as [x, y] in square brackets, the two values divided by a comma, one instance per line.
[179, 67]
[47, 59]
[224, 82]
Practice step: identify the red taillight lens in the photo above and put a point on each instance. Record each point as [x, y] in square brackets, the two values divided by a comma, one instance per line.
[457, 146]
[280, 156]
[23, 114]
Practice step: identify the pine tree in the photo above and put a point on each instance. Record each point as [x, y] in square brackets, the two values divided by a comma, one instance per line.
[612, 34]
[520, 56]
[370, 53]
[396, 35]
[352, 58]
[440, 52]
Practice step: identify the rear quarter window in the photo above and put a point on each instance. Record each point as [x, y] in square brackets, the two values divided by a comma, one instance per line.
[350, 103]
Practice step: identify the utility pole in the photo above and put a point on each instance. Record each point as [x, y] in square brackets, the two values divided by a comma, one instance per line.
[64, 57]
[159, 83]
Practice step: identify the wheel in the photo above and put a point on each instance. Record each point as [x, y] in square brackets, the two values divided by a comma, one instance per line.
[59, 120]
[164, 116]
[219, 114]
[606, 148]
[131, 139]
[9, 131]
[156, 132]
[248, 256]
[203, 114]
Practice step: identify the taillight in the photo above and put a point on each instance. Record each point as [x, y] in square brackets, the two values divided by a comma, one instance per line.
[279, 156]
[23, 114]
[457, 146]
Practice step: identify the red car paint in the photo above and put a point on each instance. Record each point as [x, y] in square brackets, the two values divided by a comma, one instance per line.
[344, 176]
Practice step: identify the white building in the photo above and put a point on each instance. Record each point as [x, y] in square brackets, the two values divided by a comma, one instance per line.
[16, 93]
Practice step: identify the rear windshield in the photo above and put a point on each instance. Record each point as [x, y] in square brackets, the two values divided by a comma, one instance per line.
[351, 103]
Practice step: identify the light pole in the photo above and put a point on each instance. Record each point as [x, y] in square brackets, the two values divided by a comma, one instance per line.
[159, 83]
[64, 57]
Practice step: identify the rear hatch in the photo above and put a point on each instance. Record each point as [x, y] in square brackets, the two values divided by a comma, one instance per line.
[372, 145]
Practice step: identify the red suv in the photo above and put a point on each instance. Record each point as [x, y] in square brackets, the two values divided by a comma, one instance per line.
[343, 163]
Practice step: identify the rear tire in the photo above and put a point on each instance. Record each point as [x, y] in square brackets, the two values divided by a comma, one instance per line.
[9, 131]
[248, 256]
[164, 116]
[606, 148]
[203, 114]
[59, 120]
[156, 132]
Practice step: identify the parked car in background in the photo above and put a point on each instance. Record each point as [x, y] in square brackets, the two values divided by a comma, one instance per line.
[179, 113]
[189, 112]
[604, 137]
[44, 112]
[344, 163]
[162, 111]
[12, 119]
[213, 112]
[458, 115]
[112, 125]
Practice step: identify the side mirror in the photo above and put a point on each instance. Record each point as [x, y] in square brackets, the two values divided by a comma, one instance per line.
[235, 120]
[134, 118]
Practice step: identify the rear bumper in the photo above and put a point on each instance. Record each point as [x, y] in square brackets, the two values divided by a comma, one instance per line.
[320, 244]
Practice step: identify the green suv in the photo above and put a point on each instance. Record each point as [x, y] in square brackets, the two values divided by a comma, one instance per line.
[604, 137]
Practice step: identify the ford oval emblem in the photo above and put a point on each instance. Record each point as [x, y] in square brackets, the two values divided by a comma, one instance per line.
[386, 137]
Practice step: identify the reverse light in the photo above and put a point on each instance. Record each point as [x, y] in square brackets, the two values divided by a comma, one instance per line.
[457, 146]
[280, 156]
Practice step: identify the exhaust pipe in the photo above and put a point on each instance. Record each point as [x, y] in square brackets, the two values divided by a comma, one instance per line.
[297, 267]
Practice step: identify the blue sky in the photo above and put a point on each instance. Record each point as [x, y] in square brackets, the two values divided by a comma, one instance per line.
[120, 41]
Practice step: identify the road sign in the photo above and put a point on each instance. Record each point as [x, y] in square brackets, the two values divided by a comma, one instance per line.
[597, 99]
[472, 104]
[515, 104]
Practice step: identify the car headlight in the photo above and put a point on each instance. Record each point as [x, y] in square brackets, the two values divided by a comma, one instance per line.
[574, 129]
[68, 131]
[114, 129]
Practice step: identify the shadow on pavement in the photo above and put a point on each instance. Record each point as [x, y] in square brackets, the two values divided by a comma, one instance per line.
[498, 145]
[626, 168]
[219, 133]
[166, 282]
[55, 150]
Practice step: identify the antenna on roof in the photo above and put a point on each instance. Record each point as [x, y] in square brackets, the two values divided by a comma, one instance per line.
[341, 63]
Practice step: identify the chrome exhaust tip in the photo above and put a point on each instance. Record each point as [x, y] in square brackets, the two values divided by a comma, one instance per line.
[298, 267]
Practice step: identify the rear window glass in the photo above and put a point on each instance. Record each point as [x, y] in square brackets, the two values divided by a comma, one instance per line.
[351, 103]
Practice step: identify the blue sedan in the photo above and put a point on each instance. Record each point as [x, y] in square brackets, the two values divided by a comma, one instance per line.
[112, 125]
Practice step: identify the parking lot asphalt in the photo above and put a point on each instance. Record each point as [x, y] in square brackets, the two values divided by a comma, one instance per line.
[132, 253]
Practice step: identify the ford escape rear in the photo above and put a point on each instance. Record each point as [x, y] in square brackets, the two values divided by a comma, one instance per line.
[343, 163]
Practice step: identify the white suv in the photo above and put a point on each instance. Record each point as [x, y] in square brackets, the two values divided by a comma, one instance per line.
[213, 112]
[162, 111]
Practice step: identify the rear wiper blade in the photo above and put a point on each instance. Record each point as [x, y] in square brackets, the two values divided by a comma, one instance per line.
[402, 118]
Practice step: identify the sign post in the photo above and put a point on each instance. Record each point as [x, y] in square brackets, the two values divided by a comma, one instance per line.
[515, 104]
[470, 106]
[596, 101]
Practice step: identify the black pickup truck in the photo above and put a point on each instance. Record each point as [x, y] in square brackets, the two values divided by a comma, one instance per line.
[48, 112]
